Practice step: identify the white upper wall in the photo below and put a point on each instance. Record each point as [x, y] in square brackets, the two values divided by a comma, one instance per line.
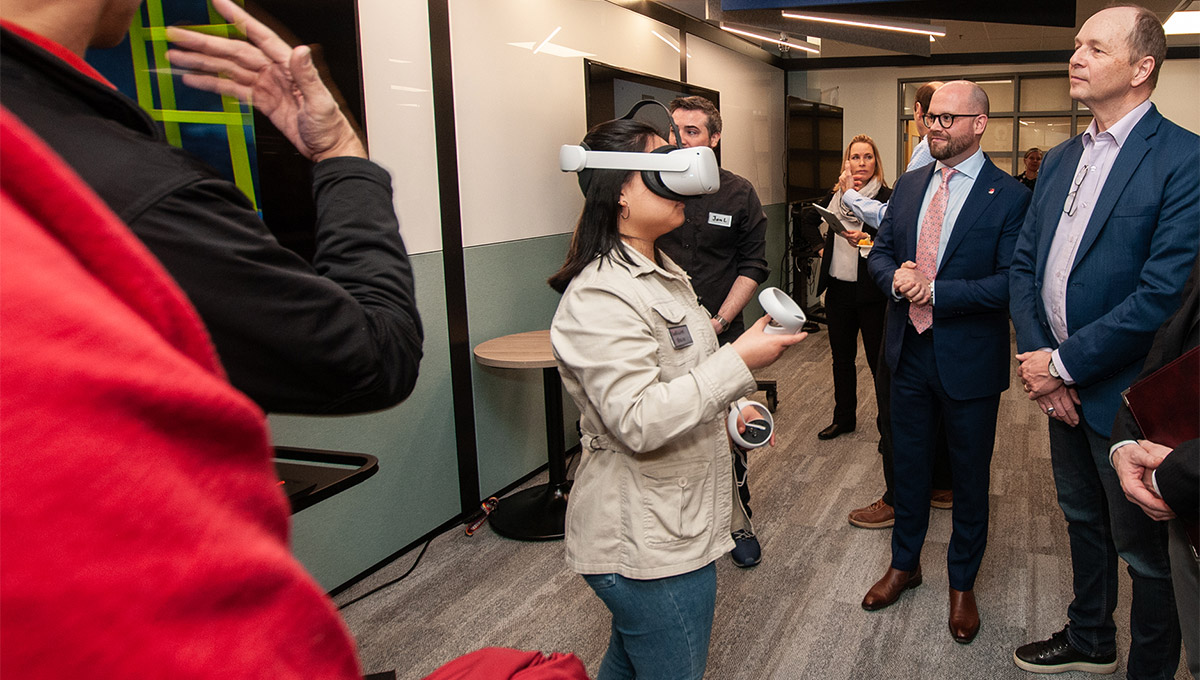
[514, 108]
[752, 114]
[397, 86]
[869, 97]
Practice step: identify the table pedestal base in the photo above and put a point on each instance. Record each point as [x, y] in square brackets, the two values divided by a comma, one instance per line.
[536, 514]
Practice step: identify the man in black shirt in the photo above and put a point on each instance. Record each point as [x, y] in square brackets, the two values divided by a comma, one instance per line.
[722, 246]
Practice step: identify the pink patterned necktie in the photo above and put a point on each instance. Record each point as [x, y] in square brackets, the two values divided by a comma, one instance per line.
[927, 248]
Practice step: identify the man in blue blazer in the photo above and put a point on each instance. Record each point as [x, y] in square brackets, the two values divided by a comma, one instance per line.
[1103, 254]
[942, 257]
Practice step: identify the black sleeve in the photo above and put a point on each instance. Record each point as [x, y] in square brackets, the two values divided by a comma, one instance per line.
[340, 336]
[1178, 479]
[752, 240]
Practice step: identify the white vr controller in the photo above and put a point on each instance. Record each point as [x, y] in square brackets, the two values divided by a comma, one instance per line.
[787, 318]
[688, 172]
[758, 429]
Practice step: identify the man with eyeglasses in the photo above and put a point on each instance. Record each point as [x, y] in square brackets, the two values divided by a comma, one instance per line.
[942, 255]
[881, 514]
[1103, 254]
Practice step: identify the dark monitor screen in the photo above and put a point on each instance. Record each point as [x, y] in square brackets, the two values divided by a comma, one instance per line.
[612, 91]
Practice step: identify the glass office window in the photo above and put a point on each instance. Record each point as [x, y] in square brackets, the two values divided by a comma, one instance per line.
[997, 141]
[909, 97]
[1027, 110]
[1044, 133]
[999, 92]
[1045, 94]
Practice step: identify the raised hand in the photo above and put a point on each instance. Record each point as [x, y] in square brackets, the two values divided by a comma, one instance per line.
[267, 73]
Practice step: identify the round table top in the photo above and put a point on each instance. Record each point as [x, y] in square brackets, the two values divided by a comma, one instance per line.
[519, 350]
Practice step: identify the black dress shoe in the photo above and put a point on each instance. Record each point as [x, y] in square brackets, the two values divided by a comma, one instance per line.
[1056, 655]
[833, 431]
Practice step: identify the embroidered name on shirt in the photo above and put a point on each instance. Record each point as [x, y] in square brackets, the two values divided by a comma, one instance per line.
[680, 336]
[720, 220]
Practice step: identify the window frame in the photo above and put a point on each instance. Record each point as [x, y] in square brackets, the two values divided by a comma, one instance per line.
[1016, 165]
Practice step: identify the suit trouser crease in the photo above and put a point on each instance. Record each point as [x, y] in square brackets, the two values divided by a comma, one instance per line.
[942, 478]
[918, 402]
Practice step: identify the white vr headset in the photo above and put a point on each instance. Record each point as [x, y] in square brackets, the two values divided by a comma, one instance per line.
[668, 171]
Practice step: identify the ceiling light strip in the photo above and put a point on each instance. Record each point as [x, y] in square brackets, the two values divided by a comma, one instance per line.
[940, 32]
[803, 45]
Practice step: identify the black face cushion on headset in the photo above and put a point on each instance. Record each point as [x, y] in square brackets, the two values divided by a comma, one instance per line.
[653, 180]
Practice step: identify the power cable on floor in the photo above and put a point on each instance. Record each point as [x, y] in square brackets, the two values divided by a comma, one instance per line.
[393, 581]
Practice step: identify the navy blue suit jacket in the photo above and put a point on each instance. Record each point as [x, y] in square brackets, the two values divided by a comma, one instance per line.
[970, 311]
[1133, 260]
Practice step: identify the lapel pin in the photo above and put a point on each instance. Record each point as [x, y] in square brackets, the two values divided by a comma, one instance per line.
[991, 191]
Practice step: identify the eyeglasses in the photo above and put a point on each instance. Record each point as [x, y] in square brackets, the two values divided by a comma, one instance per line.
[946, 119]
[1069, 207]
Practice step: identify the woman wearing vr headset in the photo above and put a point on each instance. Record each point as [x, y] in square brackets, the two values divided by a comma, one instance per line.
[853, 303]
[651, 504]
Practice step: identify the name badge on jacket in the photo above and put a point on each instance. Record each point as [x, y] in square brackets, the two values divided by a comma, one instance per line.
[719, 220]
[680, 336]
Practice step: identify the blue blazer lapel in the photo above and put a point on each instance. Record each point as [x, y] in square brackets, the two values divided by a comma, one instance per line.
[1058, 185]
[908, 248]
[1137, 145]
[981, 196]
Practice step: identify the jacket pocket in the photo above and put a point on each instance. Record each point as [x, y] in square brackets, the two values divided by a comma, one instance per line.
[672, 315]
[675, 503]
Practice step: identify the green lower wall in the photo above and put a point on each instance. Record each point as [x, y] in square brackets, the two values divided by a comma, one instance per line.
[416, 488]
[507, 293]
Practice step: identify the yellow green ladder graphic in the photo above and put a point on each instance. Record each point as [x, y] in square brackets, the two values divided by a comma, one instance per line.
[232, 116]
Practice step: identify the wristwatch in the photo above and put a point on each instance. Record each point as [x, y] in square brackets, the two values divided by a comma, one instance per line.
[721, 322]
[1053, 369]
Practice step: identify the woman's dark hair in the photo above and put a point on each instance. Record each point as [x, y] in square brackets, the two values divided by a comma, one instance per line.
[596, 233]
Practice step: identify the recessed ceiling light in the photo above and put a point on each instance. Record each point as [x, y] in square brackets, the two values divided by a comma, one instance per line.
[931, 31]
[1183, 23]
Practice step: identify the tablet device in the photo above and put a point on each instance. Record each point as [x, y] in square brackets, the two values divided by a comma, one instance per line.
[830, 218]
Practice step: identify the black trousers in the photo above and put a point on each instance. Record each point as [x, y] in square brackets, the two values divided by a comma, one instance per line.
[942, 478]
[847, 317]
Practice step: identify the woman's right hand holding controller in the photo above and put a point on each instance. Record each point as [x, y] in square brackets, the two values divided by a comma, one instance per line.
[760, 349]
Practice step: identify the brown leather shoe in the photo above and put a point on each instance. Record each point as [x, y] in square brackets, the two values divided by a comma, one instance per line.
[964, 616]
[942, 499]
[887, 589]
[878, 515]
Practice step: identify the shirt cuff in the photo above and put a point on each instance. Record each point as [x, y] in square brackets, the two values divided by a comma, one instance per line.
[1062, 369]
[931, 298]
[1154, 484]
[1112, 451]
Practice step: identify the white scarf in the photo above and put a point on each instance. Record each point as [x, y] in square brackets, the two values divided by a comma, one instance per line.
[844, 265]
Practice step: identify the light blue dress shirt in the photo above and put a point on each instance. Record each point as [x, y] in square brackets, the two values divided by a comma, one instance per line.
[869, 210]
[960, 185]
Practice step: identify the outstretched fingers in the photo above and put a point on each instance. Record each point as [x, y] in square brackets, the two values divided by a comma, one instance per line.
[203, 64]
[274, 47]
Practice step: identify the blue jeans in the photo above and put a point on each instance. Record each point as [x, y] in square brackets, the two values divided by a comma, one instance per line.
[660, 627]
[1102, 524]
